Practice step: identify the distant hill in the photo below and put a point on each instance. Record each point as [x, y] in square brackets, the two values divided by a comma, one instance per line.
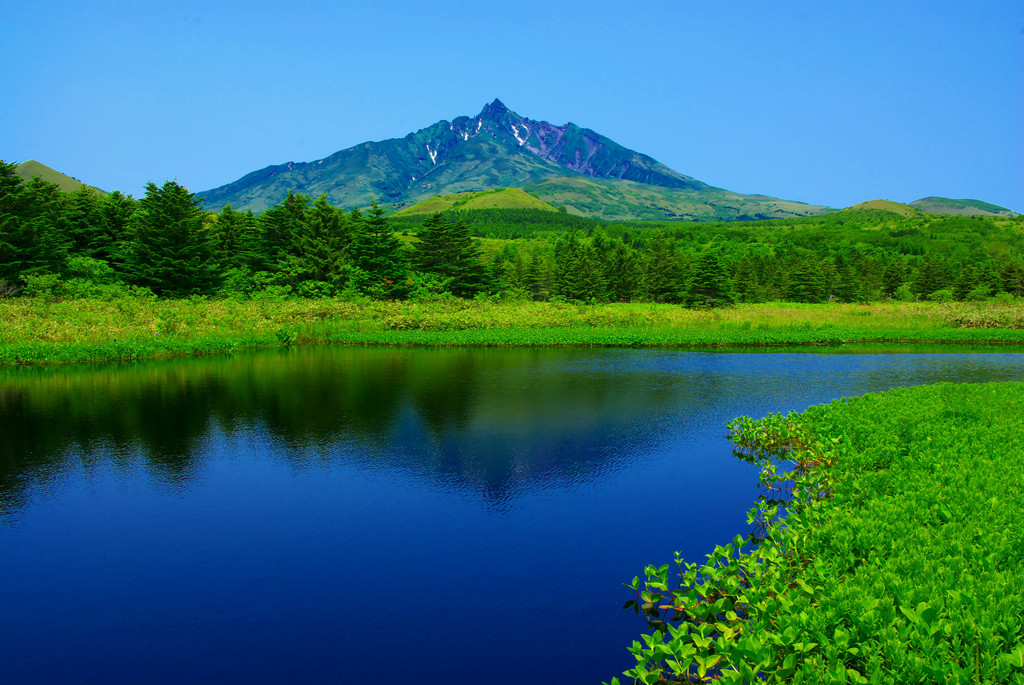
[618, 200]
[887, 206]
[503, 198]
[31, 168]
[498, 149]
[945, 205]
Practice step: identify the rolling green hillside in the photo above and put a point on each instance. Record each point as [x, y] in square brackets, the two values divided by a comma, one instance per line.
[503, 198]
[888, 206]
[31, 168]
[945, 205]
[618, 200]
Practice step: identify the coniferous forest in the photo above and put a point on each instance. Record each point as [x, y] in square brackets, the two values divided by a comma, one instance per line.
[87, 244]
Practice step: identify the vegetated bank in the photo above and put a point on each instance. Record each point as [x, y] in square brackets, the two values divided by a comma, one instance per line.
[900, 558]
[39, 329]
[85, 276]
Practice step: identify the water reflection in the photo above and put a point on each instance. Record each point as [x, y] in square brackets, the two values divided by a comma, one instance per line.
[482, 421]
[488, 421]
[255, 516]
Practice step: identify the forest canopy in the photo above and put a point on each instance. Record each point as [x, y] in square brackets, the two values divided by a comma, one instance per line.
[85, 244]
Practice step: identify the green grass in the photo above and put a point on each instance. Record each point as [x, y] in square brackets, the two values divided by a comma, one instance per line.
[888, 206]
[502, 198]
[900, 560]
[619, 200]
[34, 330]
[945, 205]
[67, 184]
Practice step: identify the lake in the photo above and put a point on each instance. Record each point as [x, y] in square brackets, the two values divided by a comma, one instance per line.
[355, 515]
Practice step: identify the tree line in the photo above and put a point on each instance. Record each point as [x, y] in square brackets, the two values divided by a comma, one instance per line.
[88, 244]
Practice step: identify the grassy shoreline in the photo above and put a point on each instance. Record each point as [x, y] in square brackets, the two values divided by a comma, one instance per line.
[34, 330]
[883, 569]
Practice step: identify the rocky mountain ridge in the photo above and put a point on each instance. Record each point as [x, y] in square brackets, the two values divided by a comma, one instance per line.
[497, 148]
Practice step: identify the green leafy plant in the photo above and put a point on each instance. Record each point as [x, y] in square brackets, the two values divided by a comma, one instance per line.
[839, 580]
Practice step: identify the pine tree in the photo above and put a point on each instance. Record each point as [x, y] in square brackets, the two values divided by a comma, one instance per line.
[376, 252]
[663, 277]
[111, 242]
[321, 245]
[709, 285]
[893, 275]
[446, 249]
[85, 218]
[931, 275]
[34, 232]
[172, 252]
[280, 228]
[578, 274]
[623, 273]
[535, 277]
[848, 286]
[806, 282]
[234, 238]
[746, 281]
[1012, 277]
[966, 280]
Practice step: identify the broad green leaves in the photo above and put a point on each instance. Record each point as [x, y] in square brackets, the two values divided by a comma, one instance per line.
[899, 558]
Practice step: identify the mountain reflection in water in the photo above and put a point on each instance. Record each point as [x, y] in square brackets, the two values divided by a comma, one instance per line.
[344, 514]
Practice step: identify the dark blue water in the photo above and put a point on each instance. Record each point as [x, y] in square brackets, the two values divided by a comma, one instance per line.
[340, 515]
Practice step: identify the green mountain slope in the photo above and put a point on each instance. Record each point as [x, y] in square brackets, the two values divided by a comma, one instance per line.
[498, 149]
[620, 200]
[31, 168]
[886, 206]
[503, 198]
[945, 205]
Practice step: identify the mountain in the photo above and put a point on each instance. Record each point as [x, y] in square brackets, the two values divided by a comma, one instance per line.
[27, 170]
[495, 149]
[945, 205]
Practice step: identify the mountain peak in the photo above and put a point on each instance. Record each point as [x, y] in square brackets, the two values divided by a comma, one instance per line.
[496, 107]
[496, 149]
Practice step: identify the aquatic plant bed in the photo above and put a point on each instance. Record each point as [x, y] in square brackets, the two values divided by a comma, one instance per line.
[900, 558]
[34, 330]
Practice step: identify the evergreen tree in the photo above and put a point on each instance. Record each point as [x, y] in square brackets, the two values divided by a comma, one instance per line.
[280, 228]
[709, 285]
[234, 238]
[806, 282]
[383, 271]
[446, 249]
[33, 227]
[321, 245]
[966, 281]
[893, 275]
[111, 242]
[746, 280]
[578, 274]
[535, 277]
[847, 285]
[931, 275]
[1012, 277]
[583, 280]
[663, 277]
[623, 274]
[85, 219]
[172, 252]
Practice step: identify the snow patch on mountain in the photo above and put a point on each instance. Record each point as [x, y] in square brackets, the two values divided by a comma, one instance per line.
[515, 132]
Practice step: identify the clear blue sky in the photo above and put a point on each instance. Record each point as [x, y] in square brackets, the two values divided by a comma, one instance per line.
[825, 102]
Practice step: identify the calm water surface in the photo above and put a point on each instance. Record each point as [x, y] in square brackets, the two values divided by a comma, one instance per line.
[349, 515]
